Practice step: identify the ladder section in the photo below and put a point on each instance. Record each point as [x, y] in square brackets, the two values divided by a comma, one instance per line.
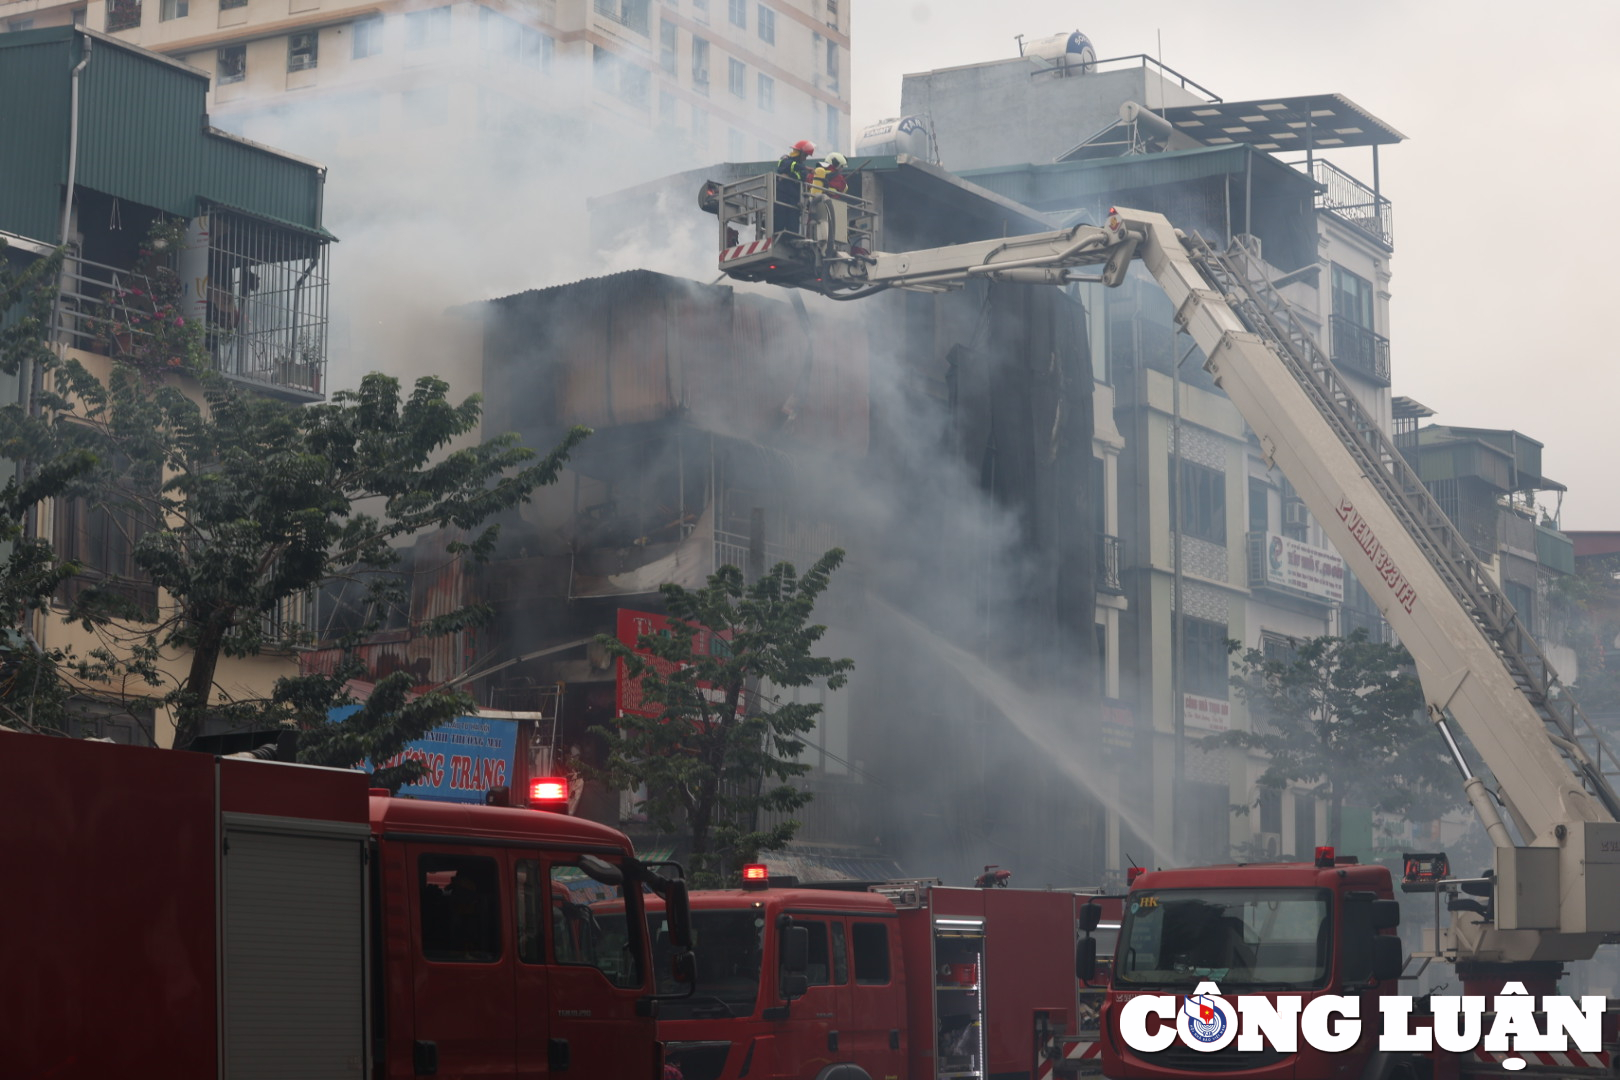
[1241, 279]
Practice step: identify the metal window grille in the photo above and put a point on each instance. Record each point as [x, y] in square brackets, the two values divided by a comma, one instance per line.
[267, 303]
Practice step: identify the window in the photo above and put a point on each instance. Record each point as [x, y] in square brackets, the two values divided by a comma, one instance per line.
[1204, 665]
[123, 15]
[700, 126]
[230, 65]
[832, 125]
[512, 41]
[303, 50]
[635, 84]
[1278, 647]
[666, 107]
[832, 59]
[735, 145]
[1522, 597]
[700, 65]
[460, 908]
[631, 13]
[871, 953]
[818, 970]
[580, 938]
[737, 10]
[226, 5]
[174, 9]
[1270, 810]
[101, 535]
[1352, 298]
[767, 25]
[1259, 505]
[16, 26]
[604, 67]
[1203, 502]
[840, 955]
[737, 77]
[368, 39]
[1304, 824]
[427, 29]
[529, 915]
[700, 8]
[668, 45]
[767, 93]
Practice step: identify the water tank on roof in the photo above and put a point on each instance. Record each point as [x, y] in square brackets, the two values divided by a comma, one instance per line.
[1072, 50]
[894, 136]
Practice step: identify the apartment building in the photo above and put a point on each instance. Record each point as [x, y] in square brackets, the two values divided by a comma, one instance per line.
[721, 78]
[123, 132]
[1214, 544]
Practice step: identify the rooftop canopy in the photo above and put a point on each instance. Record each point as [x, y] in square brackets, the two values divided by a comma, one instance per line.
[1313, 121]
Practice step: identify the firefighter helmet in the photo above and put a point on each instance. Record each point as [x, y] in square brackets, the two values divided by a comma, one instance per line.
[835, 158]
[805, 146]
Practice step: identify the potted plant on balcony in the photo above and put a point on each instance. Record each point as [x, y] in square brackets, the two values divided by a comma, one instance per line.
[144, 322]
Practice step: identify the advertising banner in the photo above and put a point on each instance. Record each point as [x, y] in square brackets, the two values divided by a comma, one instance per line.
[632, 626]
[463, 758]
[1210, 714]
[1294, 565]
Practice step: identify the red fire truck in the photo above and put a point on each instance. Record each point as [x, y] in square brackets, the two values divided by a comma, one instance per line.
[904, 979]
[185, 916]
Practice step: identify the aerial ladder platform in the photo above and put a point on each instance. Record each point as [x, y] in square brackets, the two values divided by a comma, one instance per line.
[1557, 878]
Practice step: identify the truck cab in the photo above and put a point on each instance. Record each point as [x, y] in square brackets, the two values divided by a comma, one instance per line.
[1305, 929]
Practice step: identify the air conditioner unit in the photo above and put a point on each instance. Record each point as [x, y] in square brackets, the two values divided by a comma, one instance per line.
[1295, 514]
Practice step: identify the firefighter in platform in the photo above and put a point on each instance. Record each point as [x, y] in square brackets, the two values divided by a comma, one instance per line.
[829, 175]
[793, 172]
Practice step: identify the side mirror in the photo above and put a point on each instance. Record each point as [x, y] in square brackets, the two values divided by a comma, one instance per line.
[1085, 959]
[1385, 914]
[1387, 961]
[678, 910]
[601, 870]
[795, 949]
[1090, 915]
[795, 986]
[683, 968]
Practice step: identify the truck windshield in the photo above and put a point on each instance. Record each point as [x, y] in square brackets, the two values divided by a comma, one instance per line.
[727, 946]
[1243, 939]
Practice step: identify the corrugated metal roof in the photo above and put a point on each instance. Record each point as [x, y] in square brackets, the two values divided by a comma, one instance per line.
[142, 137]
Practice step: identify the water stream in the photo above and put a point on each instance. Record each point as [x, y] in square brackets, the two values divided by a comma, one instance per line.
[1035, 719]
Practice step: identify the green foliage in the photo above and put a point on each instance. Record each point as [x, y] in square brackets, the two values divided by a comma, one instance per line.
[241, 502]
[141, 320]
[1344, 715]
[1586, 604]
[720, 751]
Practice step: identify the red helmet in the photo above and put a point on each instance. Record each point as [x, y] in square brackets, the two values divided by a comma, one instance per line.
[805, 146]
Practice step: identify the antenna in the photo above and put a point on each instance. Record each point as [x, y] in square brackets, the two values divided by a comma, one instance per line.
[1020, 39]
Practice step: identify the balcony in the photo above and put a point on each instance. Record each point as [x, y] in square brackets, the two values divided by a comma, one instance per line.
[1357, 349]
[1354, 203]
[263, 296]
[1108, 576]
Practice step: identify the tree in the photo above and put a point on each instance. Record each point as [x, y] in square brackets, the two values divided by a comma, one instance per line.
[710, 754]
[1344, 714]
[239, 501]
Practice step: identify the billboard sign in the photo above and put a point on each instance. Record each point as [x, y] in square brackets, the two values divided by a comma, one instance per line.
[1301, 568]
[463, 758]
[632, 626]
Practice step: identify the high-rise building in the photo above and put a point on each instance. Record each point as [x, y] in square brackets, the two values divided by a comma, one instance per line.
[733, 78]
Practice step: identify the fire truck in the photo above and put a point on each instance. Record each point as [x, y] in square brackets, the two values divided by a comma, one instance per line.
[1553, 894]
[856, 981]
[187, 916]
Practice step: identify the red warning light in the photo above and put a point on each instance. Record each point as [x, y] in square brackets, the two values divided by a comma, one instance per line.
[1324, 856]
[1132, 873]
[755, 874]
[548, 789]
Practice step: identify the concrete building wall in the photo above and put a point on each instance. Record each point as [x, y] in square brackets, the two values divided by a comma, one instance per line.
[1019, 110]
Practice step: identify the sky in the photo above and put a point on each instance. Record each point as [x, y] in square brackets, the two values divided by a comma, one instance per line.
[1504, 193]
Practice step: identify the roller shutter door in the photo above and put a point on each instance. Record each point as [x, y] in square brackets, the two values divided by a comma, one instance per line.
[294, 948]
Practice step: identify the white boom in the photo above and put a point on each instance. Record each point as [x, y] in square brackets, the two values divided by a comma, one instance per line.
[1556, 894]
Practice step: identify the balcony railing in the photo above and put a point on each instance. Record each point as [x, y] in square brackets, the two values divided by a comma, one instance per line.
[265, 304]
[1108, 576]
[1359, 350]
[1354, 203]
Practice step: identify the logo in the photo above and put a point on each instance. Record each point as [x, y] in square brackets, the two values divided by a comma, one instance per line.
[1275, 554]
[1206, 1022]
